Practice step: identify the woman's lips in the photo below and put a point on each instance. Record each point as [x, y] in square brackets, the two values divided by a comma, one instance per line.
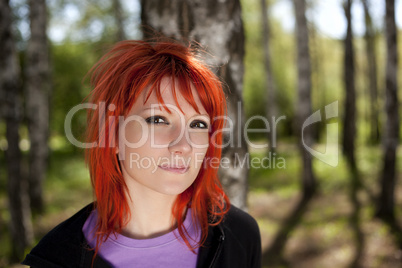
[179, 170]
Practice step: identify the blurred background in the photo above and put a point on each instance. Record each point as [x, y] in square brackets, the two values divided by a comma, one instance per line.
[327, 191]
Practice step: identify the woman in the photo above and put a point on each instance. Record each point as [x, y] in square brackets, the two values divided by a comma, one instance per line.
[153, 143]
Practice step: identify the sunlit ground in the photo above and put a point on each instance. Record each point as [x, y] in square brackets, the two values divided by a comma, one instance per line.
[323, 237]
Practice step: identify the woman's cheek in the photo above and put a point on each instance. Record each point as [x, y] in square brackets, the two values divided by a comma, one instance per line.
[159, 137]
[134, 134]
[199, 140]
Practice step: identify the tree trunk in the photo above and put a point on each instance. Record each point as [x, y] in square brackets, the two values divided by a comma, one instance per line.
[38, 90]
[372, 75]
[386, 201]
[303, 109]
[270, 110]
[10, 88]
[216, 25]
[349, 120]
[318, 90]
[118, 15]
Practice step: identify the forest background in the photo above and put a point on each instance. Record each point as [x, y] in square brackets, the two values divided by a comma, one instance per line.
[338, 223]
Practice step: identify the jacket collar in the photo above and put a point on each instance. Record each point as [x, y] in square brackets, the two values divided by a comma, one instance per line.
[211, 249]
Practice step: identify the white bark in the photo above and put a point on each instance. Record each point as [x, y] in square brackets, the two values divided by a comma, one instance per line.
[10, 88]
[38, 90]
[218, 27]
[303, 109]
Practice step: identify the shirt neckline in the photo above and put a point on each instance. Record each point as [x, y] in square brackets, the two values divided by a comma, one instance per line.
[154, 242]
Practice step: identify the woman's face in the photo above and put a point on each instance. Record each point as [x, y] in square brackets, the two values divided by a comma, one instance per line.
[162, 152]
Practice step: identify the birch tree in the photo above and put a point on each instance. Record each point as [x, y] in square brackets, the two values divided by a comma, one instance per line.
[38, 89]
[217, 26]
[270, 110]
[349, 120]
[386, 200]
[119, 18]
[372, 81]
[20, 225]
[303, 109]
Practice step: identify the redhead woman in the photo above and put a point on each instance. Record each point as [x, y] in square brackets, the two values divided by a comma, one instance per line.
[154, 138]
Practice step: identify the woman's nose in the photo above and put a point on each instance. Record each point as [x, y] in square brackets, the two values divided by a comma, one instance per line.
[180, 143]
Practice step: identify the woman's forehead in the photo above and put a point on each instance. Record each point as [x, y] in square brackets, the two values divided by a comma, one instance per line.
[172, 95]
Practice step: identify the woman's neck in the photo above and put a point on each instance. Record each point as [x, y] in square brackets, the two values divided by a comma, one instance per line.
[151, 214]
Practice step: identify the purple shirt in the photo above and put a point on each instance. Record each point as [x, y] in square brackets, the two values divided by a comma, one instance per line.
[168, 250]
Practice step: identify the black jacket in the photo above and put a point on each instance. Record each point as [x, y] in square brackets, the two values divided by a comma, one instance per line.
[234, 243]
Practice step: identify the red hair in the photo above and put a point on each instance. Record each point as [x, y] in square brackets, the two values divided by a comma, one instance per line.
[118, 78]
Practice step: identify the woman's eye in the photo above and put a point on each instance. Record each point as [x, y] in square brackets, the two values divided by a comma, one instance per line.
[199, 124]
[157, 120]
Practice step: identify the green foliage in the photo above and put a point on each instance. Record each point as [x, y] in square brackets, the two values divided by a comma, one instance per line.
[67, 174]
[283, 67]
[97, 20]
[68, 70]
[71, 62]
[254, 67]
[276, 179]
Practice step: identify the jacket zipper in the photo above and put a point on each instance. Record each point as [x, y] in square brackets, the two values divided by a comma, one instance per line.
[219, 249]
